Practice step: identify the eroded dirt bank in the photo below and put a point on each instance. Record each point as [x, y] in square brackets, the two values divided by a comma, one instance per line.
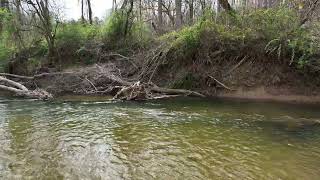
[249, 81]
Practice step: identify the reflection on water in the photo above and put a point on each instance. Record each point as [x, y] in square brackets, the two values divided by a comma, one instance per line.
[180, 139]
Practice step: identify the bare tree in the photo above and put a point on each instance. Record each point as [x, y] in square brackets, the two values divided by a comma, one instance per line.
[82, 11]
[89, 11]
[225, 5]
[45, 25]
[191, 10]
[160, 16]
[178, 21]
[4, 4]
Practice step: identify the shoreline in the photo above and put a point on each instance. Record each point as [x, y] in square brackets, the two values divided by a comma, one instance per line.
[261, 94]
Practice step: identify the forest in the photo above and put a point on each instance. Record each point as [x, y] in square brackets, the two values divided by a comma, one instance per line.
[147, 49]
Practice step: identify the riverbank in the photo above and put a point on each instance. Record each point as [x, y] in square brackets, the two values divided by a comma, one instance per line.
[92, 81]
[208, 58]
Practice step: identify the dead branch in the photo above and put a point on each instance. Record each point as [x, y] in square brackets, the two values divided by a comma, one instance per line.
[35, 76]
[123, 57]
[176, 91]
[221, 84]
[236, 66]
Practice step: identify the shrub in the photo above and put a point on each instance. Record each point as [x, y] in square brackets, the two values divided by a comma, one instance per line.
[113, 31]
[6, 46]
[75, 35]
[276, 30]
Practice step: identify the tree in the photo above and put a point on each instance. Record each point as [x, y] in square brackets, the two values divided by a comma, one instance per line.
[4, 4]
[41, 9]
[191, 10]
[160, 16]
[89, 11]
[225, 5]
[178, 20]
[82, 11]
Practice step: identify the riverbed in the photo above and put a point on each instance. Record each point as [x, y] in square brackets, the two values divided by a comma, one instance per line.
[173, 139]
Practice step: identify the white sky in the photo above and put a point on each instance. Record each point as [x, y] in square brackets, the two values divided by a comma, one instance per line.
[72, 8]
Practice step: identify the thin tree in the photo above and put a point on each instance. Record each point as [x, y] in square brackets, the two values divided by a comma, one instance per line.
[82, 11]
[89, 11]
[178, 20]
[45, 25]
[160, 16]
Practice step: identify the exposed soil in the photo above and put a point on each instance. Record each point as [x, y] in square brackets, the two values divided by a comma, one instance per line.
[208, 71]
[249, 80]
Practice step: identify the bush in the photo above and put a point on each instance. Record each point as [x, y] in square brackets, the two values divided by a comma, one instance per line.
[6, 46]
[276, 30]
[75, 35]
[113, 31]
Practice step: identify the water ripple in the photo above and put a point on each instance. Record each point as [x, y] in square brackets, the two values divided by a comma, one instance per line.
[104, 140]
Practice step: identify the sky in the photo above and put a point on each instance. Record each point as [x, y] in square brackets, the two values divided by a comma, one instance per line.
[72, 8]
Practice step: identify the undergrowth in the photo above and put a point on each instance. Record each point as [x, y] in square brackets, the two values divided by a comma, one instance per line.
[276, 30]
[138, 34]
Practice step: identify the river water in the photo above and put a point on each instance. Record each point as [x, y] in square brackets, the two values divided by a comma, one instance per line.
[172, 139]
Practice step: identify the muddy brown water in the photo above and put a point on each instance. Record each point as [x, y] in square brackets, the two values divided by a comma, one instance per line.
[172, 139]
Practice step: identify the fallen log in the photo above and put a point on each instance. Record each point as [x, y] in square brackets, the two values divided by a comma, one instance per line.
[176, 91]
[20, 90]
[144, 91]
[35, 76]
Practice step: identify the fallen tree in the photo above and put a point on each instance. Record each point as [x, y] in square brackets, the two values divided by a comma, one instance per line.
[112, 84]
[143, 91]
[147, 91]
[20, 90]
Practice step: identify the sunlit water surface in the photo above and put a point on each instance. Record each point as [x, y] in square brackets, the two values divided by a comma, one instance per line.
[174, 139]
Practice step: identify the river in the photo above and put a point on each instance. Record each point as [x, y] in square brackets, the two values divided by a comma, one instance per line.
[171, 139]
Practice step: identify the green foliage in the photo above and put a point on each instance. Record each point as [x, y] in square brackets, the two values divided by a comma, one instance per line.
[276, 29]
[114, 26]
[186, 41]
[75, 35]
[6, 47]
[113, 31]
[140, 34]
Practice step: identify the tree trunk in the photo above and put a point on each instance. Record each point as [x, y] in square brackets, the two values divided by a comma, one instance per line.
[225, 5]
[126, 28]
[89, 11]
[191, 9]
[82, 11]
[114, 5]
[4, 4]
[178, 14]
[160, 17]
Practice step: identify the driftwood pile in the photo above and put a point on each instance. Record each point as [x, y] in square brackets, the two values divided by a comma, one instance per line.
[121, 89]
